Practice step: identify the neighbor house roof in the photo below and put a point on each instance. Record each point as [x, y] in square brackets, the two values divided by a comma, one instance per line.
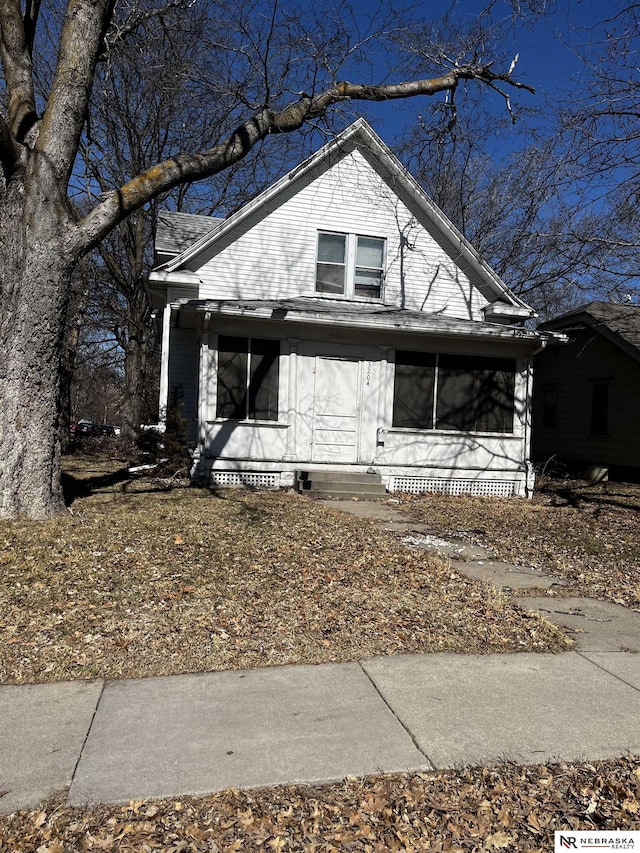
[360, 135]
[618, 323]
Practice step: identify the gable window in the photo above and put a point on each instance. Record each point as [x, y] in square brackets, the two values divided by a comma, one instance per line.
[453, 392]
[350, 265]
[248, 378]
[600, 409]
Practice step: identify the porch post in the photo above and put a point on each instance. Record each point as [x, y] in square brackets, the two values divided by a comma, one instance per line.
[163, 401]
[383, 414]
[291, 452]
[203, 385]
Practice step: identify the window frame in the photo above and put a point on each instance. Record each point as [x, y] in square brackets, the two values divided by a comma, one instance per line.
[351, 266]
[247, 396]
[550, 401]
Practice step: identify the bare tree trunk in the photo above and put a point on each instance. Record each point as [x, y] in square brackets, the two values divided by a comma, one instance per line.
[33, 289]
[76, 315]
[135, 371]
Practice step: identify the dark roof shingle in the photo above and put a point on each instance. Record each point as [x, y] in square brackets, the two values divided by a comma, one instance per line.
[620, 322]
[175, 232]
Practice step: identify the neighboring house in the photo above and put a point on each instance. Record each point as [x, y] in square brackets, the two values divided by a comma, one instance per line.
[587, 392]
[339, 321]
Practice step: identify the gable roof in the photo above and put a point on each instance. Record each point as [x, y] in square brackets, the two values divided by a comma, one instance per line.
[360, 135]
[175, 231]
[618, 323]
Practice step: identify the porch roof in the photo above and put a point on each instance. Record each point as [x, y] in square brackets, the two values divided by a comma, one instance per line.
[320, 311]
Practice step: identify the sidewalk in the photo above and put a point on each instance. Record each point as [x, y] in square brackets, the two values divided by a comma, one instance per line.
[195, 734]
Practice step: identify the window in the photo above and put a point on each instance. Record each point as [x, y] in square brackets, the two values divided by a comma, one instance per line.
[464, 393]
[600, 409]
[330, 270]
[413, 390]
[475, 393]
[248, 376]
[350, 265]
[550, 406]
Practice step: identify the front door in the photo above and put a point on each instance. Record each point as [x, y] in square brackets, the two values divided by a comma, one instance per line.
[335, 419]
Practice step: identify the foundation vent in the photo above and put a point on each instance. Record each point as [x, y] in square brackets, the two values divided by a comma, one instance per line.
[244, 479]
[484, 488]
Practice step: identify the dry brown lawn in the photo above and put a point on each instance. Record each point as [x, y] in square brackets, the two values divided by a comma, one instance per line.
[137, 580]
[587, 534]
[477, 809]
[140, 580]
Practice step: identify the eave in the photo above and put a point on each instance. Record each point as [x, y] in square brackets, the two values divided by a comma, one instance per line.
[309, 311]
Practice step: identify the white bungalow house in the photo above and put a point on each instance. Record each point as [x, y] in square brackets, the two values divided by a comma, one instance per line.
[340, 322]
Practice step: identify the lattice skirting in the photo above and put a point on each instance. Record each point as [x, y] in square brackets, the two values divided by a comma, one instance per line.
[486, 488]
[246, 479]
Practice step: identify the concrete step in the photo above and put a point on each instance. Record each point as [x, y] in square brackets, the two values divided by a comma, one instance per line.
[363, 493]
[337, 477]
[340, 485]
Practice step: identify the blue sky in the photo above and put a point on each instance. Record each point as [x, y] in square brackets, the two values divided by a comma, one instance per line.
[549, 56]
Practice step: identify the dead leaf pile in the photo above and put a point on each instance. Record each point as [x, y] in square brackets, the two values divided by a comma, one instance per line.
[506, 807]
[588, 534]
[147, 583]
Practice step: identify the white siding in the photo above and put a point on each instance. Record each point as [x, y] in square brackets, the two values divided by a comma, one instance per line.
[275, 256]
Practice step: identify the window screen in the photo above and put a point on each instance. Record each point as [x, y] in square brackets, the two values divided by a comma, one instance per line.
[413, 390]
[233, 358]
[456, 392]
[264, 378]
[474, 394]
[248, 378]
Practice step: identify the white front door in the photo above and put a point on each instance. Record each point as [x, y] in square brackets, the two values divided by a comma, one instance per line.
[336, 410]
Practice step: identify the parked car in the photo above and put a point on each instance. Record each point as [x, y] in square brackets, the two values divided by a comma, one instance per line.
[85, 427]
[105, 429]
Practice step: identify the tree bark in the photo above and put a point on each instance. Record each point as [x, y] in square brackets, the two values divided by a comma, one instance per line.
[34, 290]
[135, 368]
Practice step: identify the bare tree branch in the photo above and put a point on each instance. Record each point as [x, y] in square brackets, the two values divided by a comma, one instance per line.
[192, 167]
[64, 118]
[18, 72]
[9, 151]
[118, 32]
[31, 14]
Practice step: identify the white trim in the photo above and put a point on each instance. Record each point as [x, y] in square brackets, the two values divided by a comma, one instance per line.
[179, 277]
[163, 400]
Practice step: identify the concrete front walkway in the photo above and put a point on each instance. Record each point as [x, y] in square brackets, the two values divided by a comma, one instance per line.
[195, 734]
[593, 625]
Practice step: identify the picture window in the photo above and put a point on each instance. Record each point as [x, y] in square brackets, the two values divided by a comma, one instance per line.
[453, 392]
